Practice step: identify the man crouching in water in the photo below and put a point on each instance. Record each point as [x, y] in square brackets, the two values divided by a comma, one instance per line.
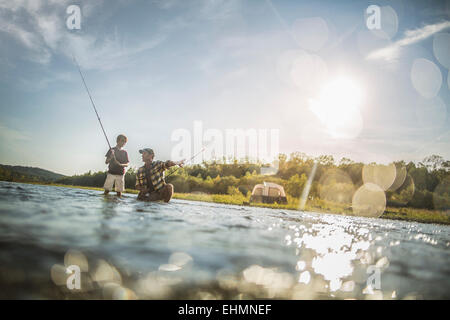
[150, 178]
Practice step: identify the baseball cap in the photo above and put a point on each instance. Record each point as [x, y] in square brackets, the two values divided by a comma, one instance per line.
[148, 150]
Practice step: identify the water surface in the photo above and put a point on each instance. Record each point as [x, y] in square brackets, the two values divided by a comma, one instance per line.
[128, 249]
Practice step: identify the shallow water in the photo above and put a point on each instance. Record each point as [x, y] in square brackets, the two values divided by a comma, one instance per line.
[128, 249]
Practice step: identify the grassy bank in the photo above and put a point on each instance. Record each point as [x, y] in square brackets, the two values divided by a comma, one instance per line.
[316, 205]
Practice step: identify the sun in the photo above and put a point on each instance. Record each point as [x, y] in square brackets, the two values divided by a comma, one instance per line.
[338, 107]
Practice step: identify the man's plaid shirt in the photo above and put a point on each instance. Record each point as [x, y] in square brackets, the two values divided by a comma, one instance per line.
[156, 175]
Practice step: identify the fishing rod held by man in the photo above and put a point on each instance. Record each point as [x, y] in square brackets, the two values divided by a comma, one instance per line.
[192, 158]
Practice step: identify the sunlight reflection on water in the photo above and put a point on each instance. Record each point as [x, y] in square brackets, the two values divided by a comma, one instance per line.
[131, 250]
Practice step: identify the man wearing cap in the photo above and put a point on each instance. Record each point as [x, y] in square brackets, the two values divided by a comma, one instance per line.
[150, 178]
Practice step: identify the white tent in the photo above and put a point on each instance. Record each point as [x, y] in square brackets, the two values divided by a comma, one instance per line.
[268, 192]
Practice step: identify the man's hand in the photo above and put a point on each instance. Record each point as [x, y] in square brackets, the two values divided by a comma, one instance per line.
[142, 193]
[180, 163]
[170, 163]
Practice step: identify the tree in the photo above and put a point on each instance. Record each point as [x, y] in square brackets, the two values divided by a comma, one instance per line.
[345, 162]
[296, 184]
[433, 162]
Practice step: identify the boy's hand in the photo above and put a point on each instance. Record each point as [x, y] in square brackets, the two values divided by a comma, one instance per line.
[111, 155]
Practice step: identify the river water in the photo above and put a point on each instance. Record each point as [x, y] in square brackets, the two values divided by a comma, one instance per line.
[126, 249]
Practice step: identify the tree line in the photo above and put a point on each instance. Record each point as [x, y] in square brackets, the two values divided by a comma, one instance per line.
[425, 184]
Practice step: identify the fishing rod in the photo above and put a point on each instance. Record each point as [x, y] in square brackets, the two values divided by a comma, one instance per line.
[92, 101]
[100, 121]
[192, 158]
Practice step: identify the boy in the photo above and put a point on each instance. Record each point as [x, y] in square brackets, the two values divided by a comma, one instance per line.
[117, 159]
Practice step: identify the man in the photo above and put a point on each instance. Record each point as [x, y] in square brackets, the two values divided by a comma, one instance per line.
[117, 161]
[150, 178]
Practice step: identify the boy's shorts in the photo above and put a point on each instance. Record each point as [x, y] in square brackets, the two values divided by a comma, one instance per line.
[118, 180]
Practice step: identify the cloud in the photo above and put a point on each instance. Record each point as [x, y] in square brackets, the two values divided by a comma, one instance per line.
[30, 84]
[27, 23]
[40, 28]
[392, 51]
[110, 54]
[8, 134]
[165, 4]
[219, 9]
[36, 52]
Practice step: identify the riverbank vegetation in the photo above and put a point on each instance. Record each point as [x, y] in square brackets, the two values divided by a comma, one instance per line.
[423, 185]
[416, 191]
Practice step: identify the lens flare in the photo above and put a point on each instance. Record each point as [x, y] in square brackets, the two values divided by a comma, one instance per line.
[448, 79]
[153, 287]
[310, 33]
[426, 78]
[121, 293]
[180, 259]
[388, 21]
[400, 177]
[58, 274]
[169, 267]
[441, 195]
[267, 277]
[381, 175]
[336, 186]
[74, 257]
[302, 70]
[106, 273]
[404, 193]
[369, 201]
[441, 48]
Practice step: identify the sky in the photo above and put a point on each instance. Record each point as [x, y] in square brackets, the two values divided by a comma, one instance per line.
[322, 73]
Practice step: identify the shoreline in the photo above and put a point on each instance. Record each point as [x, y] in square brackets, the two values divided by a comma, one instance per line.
[317, 206]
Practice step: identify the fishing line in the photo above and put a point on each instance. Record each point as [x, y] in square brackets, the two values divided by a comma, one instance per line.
[100, 121]
[192, 158]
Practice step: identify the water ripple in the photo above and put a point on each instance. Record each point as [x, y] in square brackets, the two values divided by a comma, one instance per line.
[187, 249]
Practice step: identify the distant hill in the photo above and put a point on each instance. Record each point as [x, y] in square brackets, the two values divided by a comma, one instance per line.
[20, 173]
